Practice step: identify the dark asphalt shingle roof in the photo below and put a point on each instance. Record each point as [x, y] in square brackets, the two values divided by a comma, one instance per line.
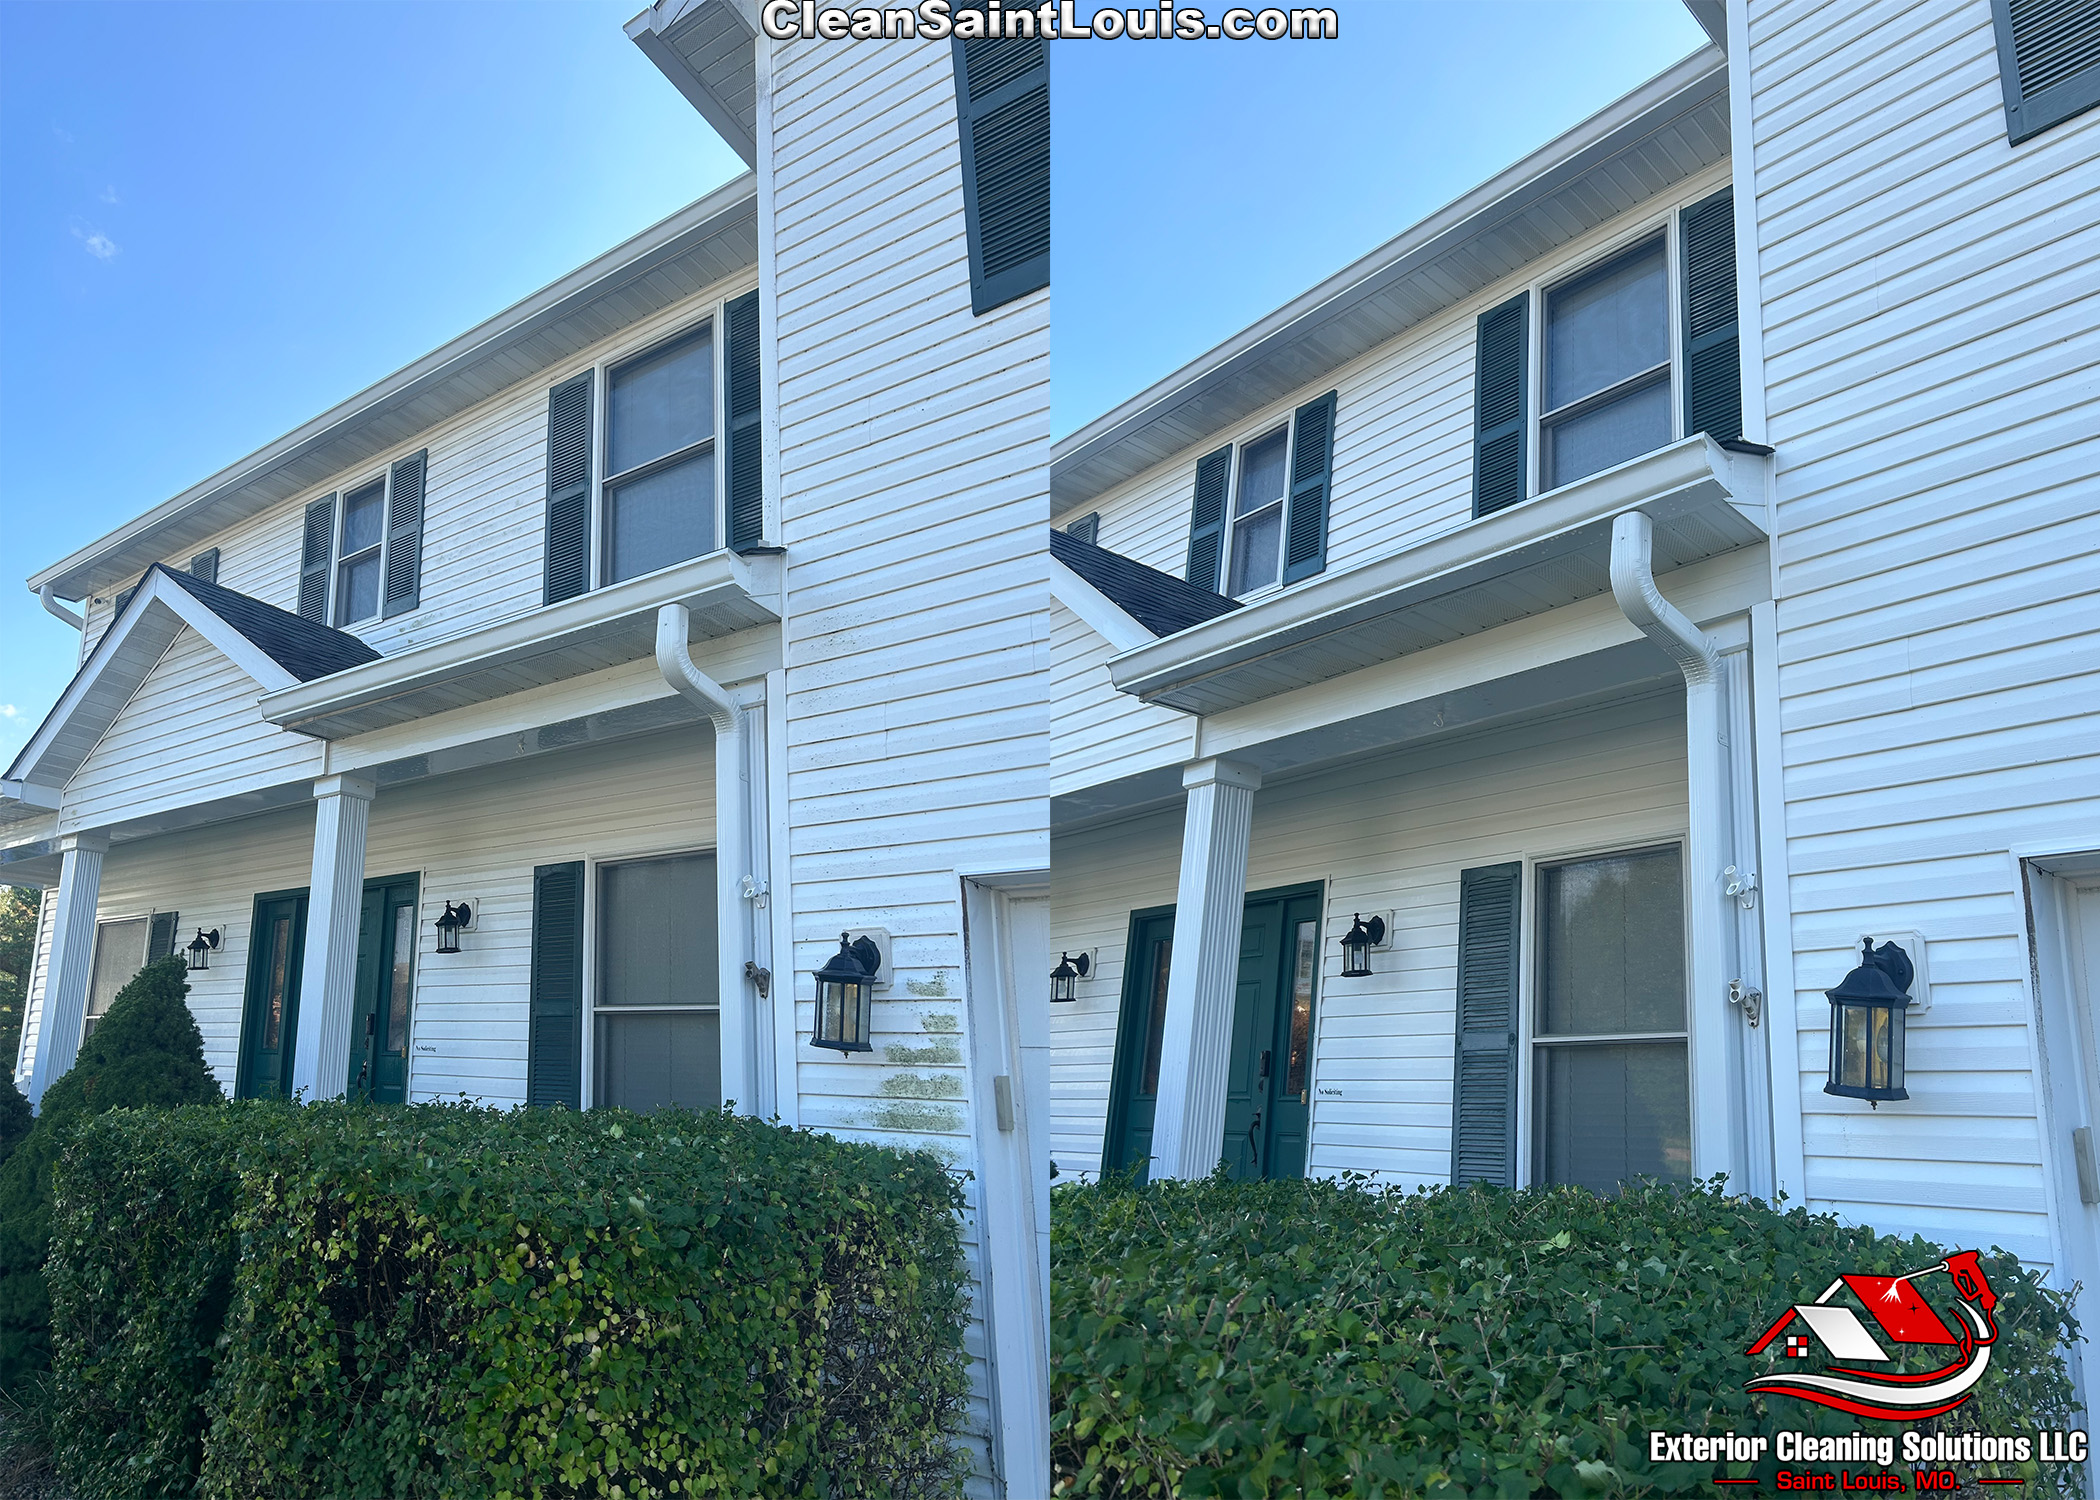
[305, 648]
[1158, 601]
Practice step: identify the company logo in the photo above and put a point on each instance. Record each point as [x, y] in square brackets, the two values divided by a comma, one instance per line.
[1899, 1307]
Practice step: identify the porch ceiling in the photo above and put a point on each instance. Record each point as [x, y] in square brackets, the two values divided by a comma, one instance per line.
[725, 592]
[1550, 551]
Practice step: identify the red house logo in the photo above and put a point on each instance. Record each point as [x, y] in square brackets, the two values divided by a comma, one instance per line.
[1905, 1317]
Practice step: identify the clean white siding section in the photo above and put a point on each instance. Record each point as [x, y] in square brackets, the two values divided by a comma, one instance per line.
[1098, 733]
[1390, 833]
[475, 836]
[33, 991]
[1931, 316]
[191, 733]
[1403, 427]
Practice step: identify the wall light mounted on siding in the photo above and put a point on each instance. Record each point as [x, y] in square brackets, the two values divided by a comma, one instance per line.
[449, 925]
[1064, 979]
[1867, 1013]
[846, 996]
[199, 949]
[1357, 944]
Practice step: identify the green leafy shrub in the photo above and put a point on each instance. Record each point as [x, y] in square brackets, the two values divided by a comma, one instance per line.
[16, 1118]
[451, 1301]
[1323, 1338]
[145, 1051]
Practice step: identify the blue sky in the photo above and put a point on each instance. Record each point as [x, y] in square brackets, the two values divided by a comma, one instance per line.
[219, 220]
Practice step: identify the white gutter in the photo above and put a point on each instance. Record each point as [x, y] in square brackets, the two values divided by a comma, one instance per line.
[53, 607]
[1711, 842]
[742, 1080]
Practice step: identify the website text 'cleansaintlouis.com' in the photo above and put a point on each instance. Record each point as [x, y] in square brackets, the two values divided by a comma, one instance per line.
[938, 20]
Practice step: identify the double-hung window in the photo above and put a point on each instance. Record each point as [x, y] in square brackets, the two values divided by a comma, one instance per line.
[124, 946]
[358, 553]
[660, 457]
[362, 556]
[659, 1025]
[1257, 513]
[1606, 366]
[1610, 1078]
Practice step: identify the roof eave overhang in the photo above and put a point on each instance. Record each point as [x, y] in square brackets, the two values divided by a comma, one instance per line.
[707, 49]
[1327, 327]
[715, 231]
[724, 591]
[1550, 550]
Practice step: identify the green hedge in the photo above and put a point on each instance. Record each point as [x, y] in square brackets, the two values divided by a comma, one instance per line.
[451, 1301]
[1321, 1338]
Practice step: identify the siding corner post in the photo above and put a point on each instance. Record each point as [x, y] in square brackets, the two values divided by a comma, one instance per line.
[72, 957]
[1716, 1101]
[328, 976]
[1203, 972]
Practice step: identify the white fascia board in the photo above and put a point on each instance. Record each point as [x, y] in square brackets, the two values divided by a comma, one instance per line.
[1461, 220]
[696, 221]
[651, 30]
[1693, 473]
[140, 638]
[744, 585]
[1102, 614]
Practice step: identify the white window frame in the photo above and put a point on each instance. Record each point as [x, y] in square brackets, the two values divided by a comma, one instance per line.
[601, 372]
[1287, 424]
[1538, 421]
[87, 1018]
[1531, 949]
[587, 1085]
[336, 559]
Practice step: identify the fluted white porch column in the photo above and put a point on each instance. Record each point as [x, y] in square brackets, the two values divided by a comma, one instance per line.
[328, 978]
[1188, 1130]
[72, 959]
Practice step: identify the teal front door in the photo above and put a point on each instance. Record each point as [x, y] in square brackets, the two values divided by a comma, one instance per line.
[1268, 1099]
[386, 961]
[270, 1015]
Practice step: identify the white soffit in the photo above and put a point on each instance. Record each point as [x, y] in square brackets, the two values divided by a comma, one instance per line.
[1663, 132]
[707, 49]
[688, 252]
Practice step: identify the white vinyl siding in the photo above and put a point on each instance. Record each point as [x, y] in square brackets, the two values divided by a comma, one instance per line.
[1931, 328]
[1098, 734]
[1392, 834]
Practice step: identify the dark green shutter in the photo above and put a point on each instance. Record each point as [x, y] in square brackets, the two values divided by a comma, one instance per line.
[160, 937]
[1498, 406]
[1002, 114]
[554, 1065]
[745, 437]
[1713, 381]
[404, 534]
[205, 565]
[1484, 1073]
[1207, 518]
[568, 489]
[314, 558]
[1312, 463]
[2048, 62]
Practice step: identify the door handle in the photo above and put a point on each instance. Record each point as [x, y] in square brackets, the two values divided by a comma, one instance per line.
[1254, 1139]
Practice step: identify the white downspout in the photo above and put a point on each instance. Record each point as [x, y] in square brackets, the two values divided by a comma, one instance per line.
[1633, 586]
[53, 607]
[674, 658]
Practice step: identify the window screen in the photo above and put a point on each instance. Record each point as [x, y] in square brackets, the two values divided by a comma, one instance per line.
[1607, 375]
[1257, 513]
[660, 489]
[120, 952]
[1610, 1078]
[658, 1027]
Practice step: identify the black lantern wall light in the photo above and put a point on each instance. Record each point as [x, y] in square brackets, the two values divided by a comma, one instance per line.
[1064, 979]
[1867, 1014]
[450, 924]
[199, 949]
[1358, 942]
[846, 996]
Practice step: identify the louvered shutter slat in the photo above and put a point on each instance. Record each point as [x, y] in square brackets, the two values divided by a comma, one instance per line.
[1207, 518]
[568, 569]
[1484, 1072]
[404, 534]
[314, 557]
[745, 436]
[1498, 407]
[554, 1044]
[160, 937]
[1002, 95]
[2048, 62]
[1312, 463]
[1713, 382]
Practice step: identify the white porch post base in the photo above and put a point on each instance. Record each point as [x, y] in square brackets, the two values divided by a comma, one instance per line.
[1203, 976]
[328, 977]
[72, 957]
